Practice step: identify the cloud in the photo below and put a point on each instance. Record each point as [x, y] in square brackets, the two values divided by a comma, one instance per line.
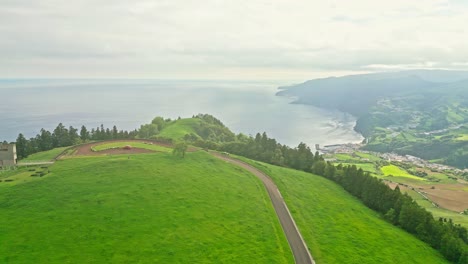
[104, 38]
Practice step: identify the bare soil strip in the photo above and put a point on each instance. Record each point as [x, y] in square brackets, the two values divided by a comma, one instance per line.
[299, 248]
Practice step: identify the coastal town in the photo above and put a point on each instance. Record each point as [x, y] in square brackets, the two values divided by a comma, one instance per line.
[351, 148]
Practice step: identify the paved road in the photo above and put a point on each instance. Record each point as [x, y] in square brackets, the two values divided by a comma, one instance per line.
[299, 248]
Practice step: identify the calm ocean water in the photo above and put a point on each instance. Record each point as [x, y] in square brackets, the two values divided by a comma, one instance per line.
[247, 107]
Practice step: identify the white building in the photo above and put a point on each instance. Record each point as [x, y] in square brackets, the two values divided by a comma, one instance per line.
[7, 155]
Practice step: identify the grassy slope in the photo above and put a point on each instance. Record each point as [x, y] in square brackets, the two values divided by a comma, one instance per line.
[44, 155]
[340, 229]
[151, 208]
[179, 128]
[134, 144]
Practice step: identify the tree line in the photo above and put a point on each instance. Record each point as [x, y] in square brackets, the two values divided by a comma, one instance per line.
[263, 148]
[62, 136]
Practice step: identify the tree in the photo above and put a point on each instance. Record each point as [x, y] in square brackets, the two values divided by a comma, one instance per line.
[21, 147]
[84, 134]
[180, 149]
[60, 136]
[148, 130]
[72, 136]
[159, 122]
[44, 140]
[115, 132]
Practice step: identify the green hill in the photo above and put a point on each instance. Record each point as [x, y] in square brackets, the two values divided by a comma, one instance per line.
[151, 208]
[338, 228]
[200, 127]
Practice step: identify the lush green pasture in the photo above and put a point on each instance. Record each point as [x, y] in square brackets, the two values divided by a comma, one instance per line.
[22, 175]
[370, 167]
[368, 156]
[346, 157]
[340, 229]
[151, 208]
[463, 137]
[44, 155]
[392, 170]
[180, 128]
[134, 144]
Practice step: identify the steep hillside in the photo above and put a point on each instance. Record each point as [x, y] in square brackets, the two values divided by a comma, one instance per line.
[340, 229]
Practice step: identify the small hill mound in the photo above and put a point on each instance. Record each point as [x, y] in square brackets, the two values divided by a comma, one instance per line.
[199, 127]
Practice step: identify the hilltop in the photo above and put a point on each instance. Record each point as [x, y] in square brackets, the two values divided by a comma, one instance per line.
[422, 113]
[198, 127]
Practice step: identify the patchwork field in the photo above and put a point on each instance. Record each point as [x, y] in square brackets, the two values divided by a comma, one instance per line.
[146, 208]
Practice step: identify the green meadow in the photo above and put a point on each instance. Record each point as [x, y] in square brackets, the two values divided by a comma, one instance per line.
[179, 128]
[392, 170]
[369, 167]
[44, 155]
[149, 208]
[338, 228]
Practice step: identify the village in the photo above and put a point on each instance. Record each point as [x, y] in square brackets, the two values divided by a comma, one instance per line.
[351, 148]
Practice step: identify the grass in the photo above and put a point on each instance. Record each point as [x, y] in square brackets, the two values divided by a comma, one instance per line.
[44, 155]
[392, 170]
[22, 175]
[151, 208]
[370, 167]
[345, 157]
[180, 128]
[339, 229]
[368, 156]
[463, 137]
[134, 144]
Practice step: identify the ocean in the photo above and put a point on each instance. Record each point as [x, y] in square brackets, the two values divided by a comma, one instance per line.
[244, 106]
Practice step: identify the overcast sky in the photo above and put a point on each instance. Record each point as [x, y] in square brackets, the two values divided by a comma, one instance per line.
[222, 39]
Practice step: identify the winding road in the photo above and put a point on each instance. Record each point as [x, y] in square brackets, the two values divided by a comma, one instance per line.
[296, 242]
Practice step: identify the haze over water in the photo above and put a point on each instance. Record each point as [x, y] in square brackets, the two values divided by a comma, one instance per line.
[246, 107]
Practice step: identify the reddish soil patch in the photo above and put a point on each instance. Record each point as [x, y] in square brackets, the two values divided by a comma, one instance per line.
[449, 196]
[85, 150]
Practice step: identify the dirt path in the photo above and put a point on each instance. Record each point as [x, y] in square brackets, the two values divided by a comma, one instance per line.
[35, 163]
[299, 248]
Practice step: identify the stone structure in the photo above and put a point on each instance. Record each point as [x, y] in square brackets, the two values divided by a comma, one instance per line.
[7, 155]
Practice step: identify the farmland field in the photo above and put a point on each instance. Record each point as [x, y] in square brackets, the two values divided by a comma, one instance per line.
[147, 208]
[392, 170]
[369, 167]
